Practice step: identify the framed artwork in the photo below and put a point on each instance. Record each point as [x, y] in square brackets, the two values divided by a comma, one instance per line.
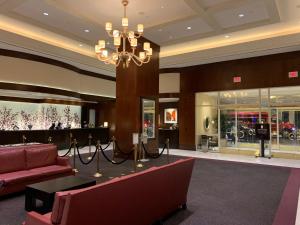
[171, 115]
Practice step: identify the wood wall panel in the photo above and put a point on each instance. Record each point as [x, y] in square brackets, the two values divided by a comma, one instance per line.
[256, 72]
[107, 113]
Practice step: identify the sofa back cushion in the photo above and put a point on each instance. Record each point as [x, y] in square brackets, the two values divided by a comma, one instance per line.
[12, 160]
[41, 156]
[58, 207]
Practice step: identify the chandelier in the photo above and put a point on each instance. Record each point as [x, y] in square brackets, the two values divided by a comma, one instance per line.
[121, 39]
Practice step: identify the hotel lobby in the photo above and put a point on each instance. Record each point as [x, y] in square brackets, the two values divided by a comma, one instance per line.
[130, 112]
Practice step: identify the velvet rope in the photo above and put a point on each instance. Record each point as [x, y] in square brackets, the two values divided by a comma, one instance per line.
[151, 155]
[113, 162]
[68, 152]
[124, 153]
[107, 145]
[81, 160]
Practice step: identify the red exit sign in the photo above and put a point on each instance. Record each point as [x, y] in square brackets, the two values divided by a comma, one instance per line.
[293, 74]
[237, 79]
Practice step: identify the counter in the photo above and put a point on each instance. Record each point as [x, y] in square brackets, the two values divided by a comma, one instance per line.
[173, 135]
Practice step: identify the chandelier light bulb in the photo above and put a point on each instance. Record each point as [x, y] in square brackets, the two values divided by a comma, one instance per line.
[108, 26]
[125, 22]
[104, 53]
[146, 46]
[117, 41]
[116, 33]
[140, 28]
[133, 42]
[131, 34]
[142, 55]
[149, 52]
[97, 49]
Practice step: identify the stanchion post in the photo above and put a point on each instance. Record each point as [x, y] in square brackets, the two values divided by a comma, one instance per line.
[24, 139]
[90, 143]
[168, 149]
[135, 157]
[49, 139]
[71, 143]
[74, 156]
[140, 165]
[98, 174]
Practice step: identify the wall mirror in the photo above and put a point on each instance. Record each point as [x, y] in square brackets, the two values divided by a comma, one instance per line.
[206, 123]
[148, 117]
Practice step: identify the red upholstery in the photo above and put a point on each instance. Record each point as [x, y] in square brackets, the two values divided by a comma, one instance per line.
[23, 165]
[41, 156]
[137, 199]
[12, 160]
[58, 207]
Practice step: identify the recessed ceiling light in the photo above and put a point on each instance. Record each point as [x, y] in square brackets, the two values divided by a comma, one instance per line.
[80, 45]
[241, 15]
[227, 36]
[162, 7]
[86, 30]
[46, 14]
[160, 30]
[108, 43]
[189, 28]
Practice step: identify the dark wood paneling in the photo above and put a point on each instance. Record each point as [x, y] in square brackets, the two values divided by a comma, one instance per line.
[132, 84]
[256, 72]
[107, 113]
[169, 95]
[37, 58]
[59, 137]
[40, 89]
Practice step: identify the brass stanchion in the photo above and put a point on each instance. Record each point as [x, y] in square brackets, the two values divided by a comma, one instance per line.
[140, 165]
[24, 139]
[71, 142]
[114, 147]
[90, 142]
[74, 155]
[98, 174]
[168, 149]
[50, 140]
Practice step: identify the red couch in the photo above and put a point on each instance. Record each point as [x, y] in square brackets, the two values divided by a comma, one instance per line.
[23, 165]
[137, 199]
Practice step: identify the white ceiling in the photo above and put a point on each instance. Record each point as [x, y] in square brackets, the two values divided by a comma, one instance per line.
[218, 31]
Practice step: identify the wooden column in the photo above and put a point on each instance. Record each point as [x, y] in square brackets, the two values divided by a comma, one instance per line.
[133, 84]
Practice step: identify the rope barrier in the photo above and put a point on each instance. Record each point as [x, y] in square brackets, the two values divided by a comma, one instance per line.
[113, 162]
[151, 155]
[109, 142]
[68, 152]
[124, 153]
[81, 160]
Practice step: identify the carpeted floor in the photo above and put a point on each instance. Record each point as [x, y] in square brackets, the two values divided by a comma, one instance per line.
[221, 193]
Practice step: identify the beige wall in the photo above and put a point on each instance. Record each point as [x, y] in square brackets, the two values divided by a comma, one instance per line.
[169, 83]
[14, 70]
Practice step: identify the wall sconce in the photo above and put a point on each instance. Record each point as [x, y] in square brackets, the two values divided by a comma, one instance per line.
[105, 124]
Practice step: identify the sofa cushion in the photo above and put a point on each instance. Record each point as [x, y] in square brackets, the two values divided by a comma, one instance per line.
[41, 156]
[18, 177]
[58, 207]
[12, 160]
[51, 170]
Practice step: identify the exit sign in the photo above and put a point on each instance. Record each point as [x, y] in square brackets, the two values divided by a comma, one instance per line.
[293, 74]
[237, 79]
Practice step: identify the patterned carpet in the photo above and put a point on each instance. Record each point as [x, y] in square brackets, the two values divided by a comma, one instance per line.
[221, 192]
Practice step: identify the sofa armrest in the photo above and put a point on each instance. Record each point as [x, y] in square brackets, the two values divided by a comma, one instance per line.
[34, 218]
[63, 161]
[1, 183]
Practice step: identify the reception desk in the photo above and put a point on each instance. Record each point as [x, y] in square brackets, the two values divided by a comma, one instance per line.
[173, 135]
[59, 137]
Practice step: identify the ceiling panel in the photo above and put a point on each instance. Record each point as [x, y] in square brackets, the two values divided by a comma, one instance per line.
[178, 30]
[211, 3]
[60, 20]
[253, 12]
[150, 13]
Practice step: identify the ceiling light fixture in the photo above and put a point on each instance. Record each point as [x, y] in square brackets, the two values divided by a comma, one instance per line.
[227, 36]
[121, 38]
[241, 15]
[189, 28]
[46, 14]
[86, 30]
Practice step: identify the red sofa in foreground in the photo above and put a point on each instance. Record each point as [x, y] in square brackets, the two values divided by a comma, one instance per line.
[137, 199]
[23, 165]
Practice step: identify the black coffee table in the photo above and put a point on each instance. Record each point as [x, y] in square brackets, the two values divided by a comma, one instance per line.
[45, 191]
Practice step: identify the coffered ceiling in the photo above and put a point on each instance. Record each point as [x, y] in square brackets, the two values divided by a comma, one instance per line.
[190, 31]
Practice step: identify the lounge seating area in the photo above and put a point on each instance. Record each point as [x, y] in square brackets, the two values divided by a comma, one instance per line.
[28, 164]
[133, 198]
